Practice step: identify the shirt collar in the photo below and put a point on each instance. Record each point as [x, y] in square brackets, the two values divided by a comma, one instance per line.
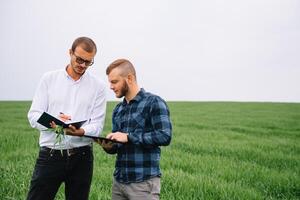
[70, 78]
[137, 98]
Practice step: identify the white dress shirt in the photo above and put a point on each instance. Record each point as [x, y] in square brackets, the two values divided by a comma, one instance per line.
[83, 99]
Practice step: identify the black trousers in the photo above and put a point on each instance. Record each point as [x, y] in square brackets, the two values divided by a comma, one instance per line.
[53, 167]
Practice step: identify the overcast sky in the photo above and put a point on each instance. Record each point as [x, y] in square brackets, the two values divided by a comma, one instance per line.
[230, 50]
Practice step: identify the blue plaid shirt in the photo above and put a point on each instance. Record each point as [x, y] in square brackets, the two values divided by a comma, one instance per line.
[146, 119]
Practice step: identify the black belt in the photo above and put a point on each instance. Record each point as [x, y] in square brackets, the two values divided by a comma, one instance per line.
[67, 152]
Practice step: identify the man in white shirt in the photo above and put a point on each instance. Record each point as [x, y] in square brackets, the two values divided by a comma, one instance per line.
[71, 94]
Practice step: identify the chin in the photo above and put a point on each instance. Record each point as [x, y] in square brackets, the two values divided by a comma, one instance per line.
[80, 72]
[119, 95]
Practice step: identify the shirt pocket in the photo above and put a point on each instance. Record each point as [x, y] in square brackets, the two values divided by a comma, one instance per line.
[137, 122]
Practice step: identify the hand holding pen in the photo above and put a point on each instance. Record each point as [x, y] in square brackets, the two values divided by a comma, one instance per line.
[64, 117]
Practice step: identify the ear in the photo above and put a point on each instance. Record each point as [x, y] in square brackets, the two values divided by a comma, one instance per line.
[130, 78]
[70, 52]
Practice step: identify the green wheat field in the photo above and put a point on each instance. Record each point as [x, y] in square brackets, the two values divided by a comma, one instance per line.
[219, 150]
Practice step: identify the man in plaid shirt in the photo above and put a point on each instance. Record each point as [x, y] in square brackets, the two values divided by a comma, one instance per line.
[141, 122]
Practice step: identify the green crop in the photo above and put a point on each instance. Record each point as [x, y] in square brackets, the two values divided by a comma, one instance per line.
[60, 135]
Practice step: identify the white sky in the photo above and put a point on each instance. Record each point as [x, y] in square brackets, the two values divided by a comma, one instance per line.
[230, 50]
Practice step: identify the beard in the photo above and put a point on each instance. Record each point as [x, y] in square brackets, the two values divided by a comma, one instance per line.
[123, 90]
[79, 70]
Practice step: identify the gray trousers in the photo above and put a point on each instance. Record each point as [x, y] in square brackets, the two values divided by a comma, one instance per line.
[146, 190]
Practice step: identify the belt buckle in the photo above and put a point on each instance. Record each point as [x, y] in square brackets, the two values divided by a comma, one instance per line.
[71, 152]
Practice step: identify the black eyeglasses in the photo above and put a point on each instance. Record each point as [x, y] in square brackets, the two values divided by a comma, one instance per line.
[86, 62]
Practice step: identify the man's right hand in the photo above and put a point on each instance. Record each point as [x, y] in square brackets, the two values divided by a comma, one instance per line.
[118, 136]
[64, 117]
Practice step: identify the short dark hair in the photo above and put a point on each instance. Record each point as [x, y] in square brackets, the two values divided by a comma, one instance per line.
[126, 66]
[86, 43]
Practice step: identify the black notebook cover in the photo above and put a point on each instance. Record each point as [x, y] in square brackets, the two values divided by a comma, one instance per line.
[46, 118]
